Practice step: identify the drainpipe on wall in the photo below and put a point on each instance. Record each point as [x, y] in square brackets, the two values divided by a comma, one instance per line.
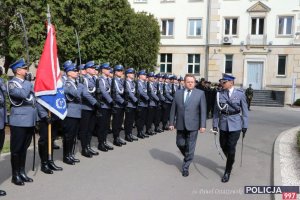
[207, 39]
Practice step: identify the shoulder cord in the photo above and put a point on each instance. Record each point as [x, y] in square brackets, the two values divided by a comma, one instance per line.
[87, 86]
[218, 103]
[67, 96]
[117, 86]
[132, 89]
[19, 86]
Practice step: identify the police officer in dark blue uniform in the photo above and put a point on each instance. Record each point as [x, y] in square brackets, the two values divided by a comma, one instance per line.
[88, 115]
[106, 102]
[153, 102]
[158, 109]
[142, 104]
[119, 103]
[130, 90]
[23, 117]
[231, 117]
[180, 83]
[3, 93]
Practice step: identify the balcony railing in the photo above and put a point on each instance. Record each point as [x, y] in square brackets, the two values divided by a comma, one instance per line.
[257, 40]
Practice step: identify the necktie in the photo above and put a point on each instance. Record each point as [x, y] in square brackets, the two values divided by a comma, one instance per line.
[187, 96]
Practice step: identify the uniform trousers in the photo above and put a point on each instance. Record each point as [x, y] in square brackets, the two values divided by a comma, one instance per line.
[104, 123]
[129, 119]
[228, 141]
[117, 121]
[150, 117]
[141, 118]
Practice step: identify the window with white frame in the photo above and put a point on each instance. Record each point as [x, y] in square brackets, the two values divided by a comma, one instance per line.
[228, 63]
[230, 26]
[257, 25]
[281, 65]
[194, 27]
[194, 63]
[166, 63]
[167, 27]
[285, 25]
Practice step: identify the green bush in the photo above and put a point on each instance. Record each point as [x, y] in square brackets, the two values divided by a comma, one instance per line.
[297, 102]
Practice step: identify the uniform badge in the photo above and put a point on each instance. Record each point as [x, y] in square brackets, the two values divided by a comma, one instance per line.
[68, 84]
[11, 86]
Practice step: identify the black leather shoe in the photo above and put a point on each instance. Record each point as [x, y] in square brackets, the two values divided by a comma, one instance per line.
[45, 168]
[2, 193]
[17, 180]
[128, 138]
[86, 153]
[145, 135]
[101, 147]
[68, 161]
[185, 173]
[53, 166]
[122, 141]
[158, 130]
[72, 157]
[117, 143]
[140, 135]
[133, 137]
[94, 153]
[226, 177]
[24, 176]
[149, 133]
[108, 146]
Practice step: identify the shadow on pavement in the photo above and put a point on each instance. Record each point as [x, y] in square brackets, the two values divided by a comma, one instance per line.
[166, 157]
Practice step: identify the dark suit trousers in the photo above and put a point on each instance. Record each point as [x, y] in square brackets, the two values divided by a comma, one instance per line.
[150, 117]
[117, 121]
[141, 118]
[228, 141]
[166, 113]
[104, 123]
[2, 138]
[186, 142]
[158, 116]
[43, 140]
[129, 119]
[87, 125]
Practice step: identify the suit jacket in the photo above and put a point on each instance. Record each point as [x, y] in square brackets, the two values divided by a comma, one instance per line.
[190, 115]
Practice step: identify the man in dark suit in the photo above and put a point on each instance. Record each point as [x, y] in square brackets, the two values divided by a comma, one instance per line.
[189, 110]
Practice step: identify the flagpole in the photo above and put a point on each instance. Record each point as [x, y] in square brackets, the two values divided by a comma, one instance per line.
[49, 113]
[78, 46]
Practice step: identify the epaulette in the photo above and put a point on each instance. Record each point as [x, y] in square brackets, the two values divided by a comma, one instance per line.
[240, 90]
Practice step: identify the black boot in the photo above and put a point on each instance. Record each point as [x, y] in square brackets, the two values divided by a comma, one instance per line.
[157, 130]
[229, 163]
[128, 138]
[117, 142]
[23, 174]
[52, 165]
[108, 146]
[92, 151]
[15, 165]
[66, 152]
[102, 147]
[133, 137]
[2, 193]
[72, 154]
[84, 149]
[140, 135]
[43, 156]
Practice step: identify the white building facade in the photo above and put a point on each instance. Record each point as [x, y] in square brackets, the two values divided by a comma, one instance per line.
[256, 41]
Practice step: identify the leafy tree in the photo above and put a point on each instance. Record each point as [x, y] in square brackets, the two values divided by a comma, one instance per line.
[109, 31]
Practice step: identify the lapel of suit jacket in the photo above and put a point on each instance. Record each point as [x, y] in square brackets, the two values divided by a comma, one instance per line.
[182, 98]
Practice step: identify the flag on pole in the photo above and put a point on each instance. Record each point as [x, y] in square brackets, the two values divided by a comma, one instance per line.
[48, 86]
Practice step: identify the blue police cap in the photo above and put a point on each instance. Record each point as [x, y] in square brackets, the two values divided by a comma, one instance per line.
[68, 62]
[142, 72]
[180, 78]
[227, 77]
[173, 77]
[166, 76]
[130, 71]
[97, 67]
[105, 66]
[150, 74]
[81, 67]
[158, 75]
[118, 68]
[90, 64]
[18, 64]
[71, 67]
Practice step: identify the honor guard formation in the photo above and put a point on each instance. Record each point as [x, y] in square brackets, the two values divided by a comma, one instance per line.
[103, 99]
